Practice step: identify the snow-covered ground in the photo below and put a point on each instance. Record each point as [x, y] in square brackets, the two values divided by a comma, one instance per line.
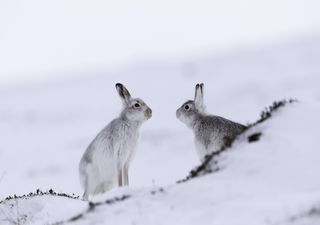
[45, 128]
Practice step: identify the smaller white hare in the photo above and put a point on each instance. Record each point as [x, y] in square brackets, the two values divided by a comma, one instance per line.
[105, 163]
[211, 132]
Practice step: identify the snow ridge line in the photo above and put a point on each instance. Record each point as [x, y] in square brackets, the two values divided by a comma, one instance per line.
[91, 208]
[39, 193]
[210, 163]
[93, 205]
[268, 111]
[313, 212]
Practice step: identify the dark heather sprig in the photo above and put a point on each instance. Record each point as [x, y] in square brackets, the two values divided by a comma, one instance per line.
[38, 192]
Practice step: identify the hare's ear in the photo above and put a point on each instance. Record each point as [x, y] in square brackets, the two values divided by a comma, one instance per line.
[124, 93]
[198, 97]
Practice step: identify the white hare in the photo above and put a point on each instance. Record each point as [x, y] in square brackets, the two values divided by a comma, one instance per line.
[211, 132]
[105, 163]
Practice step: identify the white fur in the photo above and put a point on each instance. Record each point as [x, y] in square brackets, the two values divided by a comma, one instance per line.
[105, 163]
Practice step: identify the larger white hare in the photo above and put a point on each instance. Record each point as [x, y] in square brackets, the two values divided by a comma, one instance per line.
[211, 132]
[105, 163]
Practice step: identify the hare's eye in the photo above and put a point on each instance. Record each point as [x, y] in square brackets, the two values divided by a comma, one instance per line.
[137, 105]
[186, 107]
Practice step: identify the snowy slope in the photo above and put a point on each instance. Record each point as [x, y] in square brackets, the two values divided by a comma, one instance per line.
[40, 208]
[46, 127]
[267, 182]
[272, 181]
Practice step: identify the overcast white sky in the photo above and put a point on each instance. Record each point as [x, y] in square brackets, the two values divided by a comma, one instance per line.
[43, 38]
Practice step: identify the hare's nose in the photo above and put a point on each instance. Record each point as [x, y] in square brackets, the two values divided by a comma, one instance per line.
[148, 112]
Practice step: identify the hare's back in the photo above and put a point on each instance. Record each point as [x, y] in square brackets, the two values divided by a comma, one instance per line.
[102, 144]
[221, 125]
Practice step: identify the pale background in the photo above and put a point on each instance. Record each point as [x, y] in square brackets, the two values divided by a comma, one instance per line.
[41, 39]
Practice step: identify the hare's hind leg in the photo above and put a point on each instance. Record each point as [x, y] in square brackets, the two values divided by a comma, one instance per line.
[120, 177]
[126, 175]
[85, 196]
[85, 184]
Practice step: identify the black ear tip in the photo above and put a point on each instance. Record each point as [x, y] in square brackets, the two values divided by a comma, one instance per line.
[118, 85]
[201, 85]
[198, 85]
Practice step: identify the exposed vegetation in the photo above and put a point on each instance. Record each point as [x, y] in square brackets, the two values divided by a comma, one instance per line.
[39, 193]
